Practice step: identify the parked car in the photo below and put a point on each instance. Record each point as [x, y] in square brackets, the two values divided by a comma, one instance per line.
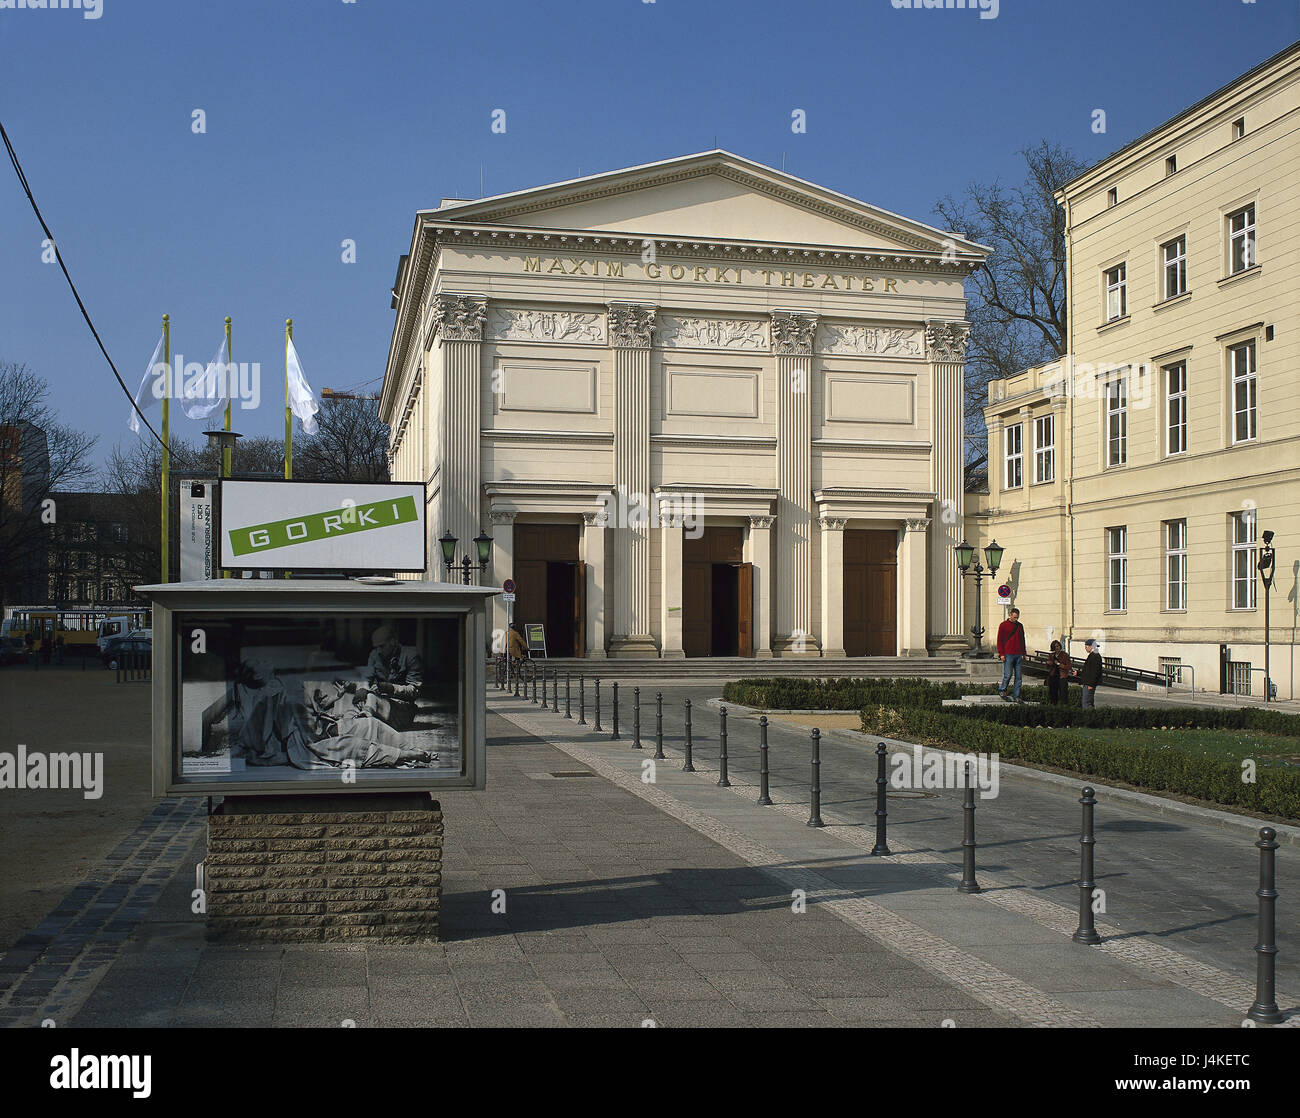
[12, 651]
[136, 646]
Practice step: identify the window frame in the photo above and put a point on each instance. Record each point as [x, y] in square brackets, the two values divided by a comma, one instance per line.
[1247, 548]
[1118, 287]
[1044, 452]
[1175, 559]
[1248, 234]
[1173, 398]
[1249, 382]
[1016, 458]
[1115, 421]
[1117, 564]
[1178, 263]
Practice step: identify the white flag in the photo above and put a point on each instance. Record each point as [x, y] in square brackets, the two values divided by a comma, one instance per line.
[210, 392]
[145, 394]
[301, 401]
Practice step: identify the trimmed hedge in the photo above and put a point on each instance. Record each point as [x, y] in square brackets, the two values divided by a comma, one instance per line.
[1142, 718]
[1154, 768]
[854, 694]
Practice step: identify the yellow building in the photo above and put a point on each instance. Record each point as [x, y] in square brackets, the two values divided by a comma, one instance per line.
[1132, 484]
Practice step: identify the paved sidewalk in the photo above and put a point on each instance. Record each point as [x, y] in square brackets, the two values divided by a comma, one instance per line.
[616, 914]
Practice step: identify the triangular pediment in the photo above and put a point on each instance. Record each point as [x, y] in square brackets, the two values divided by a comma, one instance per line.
[712, 196]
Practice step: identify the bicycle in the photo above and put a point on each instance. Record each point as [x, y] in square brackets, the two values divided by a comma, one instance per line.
[510, 667]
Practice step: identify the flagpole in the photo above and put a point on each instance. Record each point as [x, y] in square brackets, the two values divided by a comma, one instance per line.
[225, 453]
[288, 413]
[166, 451]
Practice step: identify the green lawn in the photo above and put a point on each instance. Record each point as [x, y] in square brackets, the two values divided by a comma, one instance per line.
[1273, 750]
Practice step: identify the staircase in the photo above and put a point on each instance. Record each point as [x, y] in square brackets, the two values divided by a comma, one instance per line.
[722, 668]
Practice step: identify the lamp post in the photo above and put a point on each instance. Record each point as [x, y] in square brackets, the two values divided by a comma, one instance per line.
[969, 565]
[224, 441]
[1265, 567]
[482, 542]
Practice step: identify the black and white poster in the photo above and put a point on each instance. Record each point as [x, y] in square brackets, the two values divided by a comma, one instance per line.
[270, 698]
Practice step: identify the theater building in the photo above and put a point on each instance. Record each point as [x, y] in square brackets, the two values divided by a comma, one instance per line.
[1132, 483]
[702, 407]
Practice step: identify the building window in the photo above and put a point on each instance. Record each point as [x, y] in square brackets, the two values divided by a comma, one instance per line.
[1117, 569]
[1243, 559]
[1241, 239]
[1174, 255]
[1244, 392]
[1239, 128]
[1117, 421]
[1171, 667]
[1176, 564]
[1171, 165]
[1116, 292]
[1112, 196]
[1176, 408]
[1013, 442]
[106, 592]
[1044, 448]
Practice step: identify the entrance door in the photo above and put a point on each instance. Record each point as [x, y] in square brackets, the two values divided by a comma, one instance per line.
[871, 592]
[546, 556]
[717, 595]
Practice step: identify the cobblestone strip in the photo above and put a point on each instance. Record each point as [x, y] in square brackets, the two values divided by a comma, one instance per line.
[1200, 978]
[980, 980]
[52, 969]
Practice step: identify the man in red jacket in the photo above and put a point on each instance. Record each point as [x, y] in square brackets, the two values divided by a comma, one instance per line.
[1011, 650]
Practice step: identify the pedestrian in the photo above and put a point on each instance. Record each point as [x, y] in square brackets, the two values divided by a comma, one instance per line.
[1090, 675]
[1011, 650]
[58, 649]
[1059, 670]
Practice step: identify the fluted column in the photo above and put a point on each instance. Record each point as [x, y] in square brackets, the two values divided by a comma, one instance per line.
[631, 326]
[792, 342]
[946, 350]
[459, 326]
[912, 637]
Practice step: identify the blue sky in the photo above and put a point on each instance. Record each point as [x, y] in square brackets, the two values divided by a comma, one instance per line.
[329, 120]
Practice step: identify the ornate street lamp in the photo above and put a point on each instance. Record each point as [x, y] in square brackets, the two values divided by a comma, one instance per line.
[969, 565]
[483, 545]
[1265, 566]
[223, 441]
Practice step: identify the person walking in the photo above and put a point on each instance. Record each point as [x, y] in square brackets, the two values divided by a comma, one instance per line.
[1011, 650]
[1059, 670]
[1090, 675]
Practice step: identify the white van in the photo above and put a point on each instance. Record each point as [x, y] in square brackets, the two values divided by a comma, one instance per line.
[112, 627]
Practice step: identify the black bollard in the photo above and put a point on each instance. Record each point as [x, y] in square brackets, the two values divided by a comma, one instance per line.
[815, 819]
[968, 884]
[535, 685]
[636, 718]
[518, 673]
[659, 726]
[555, 691]
[614, 735]
[1087, 930]
[882, 817]
[722, 751]
[582, 700]
[1265, 1008]
[763, 798]
[598, 728]
[568, 698]
[688, 767]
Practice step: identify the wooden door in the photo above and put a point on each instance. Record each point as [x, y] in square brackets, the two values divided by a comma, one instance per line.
[745, 628]
[871, 592]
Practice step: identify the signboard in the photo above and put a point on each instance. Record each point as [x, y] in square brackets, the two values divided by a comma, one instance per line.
[275, 687]
[535, 635]
[322, 526]
[508, 586]
[195, 529]
[1004, 591]
[508, 596]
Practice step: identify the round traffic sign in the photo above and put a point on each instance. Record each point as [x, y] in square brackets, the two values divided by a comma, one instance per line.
[508, 586]
[1004, 591]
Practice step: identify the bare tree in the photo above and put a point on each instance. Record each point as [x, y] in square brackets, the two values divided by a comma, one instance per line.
[350, 444]
[1017, 303]
[38, 455]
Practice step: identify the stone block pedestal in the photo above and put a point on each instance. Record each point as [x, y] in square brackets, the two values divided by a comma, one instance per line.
[294, 869]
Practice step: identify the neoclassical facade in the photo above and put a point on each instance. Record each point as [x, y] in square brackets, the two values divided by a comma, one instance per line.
[701, 406]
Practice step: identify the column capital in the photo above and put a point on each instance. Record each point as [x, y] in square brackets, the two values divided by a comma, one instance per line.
[459, 318]
[597, 519]
[918, 523]
[946, 341]
[502, 516]
[833, 523]
[793, 332]
[631, 325]
[762, 521]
